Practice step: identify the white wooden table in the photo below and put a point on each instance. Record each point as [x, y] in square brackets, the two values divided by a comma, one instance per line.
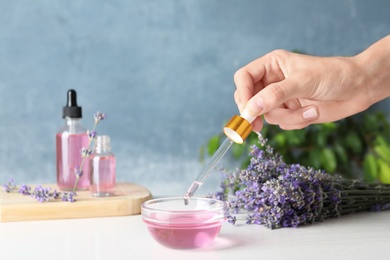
[359, 236]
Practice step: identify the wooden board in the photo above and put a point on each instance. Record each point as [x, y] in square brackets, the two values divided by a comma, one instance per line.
[126, 201]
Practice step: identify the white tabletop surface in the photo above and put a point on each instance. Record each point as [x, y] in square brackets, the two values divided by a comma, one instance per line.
[359, 236]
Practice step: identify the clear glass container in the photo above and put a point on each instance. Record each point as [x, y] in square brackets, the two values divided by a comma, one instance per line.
[70, 139]
[176, 225]
[103, 168]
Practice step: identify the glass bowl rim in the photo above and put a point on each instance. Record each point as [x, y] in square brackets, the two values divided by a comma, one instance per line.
[218, 218]
[146, 205]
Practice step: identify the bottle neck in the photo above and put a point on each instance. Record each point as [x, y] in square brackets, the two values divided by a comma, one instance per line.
[72, 121]
[73, 126]
[102, 144]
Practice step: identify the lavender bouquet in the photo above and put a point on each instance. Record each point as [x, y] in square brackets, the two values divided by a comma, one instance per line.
[276, 194]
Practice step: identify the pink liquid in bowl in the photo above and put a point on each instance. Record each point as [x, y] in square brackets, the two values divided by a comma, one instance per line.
[184, 230]
[184, 236]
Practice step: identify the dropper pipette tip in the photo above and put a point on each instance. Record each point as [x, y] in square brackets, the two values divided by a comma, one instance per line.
[236, 130]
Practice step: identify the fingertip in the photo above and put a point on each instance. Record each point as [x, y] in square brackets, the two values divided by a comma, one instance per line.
[257, 124]
[255, 105]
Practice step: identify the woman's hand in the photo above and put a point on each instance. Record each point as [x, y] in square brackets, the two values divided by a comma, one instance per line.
[295, 90]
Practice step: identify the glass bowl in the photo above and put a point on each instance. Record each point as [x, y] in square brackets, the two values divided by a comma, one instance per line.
[176, 225]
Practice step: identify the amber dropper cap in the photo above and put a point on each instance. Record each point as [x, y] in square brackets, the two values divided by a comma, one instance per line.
[239, 127]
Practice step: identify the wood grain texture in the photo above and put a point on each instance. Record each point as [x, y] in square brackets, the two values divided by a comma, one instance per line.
[126, 201]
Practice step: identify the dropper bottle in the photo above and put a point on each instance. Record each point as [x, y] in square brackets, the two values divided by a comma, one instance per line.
[70, 139]
[103, 168]
[237, 130]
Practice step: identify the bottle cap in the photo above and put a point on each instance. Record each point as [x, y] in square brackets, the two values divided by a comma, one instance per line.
[72, 110]
[237, 129]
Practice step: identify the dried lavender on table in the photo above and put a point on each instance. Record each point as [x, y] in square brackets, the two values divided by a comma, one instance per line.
[276, 194]
[39, 193]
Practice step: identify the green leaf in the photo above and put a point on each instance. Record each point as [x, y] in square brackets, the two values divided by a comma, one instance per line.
[341, 153]
[382, 148]
[280, 139]
[329, 160]
[330, 126]
[314, 159]
[265, 131]
[238, 150]
[353, 141]
[382, 152]
[323, 133]
[213, 145]
[384, 171]
[375, 122]
[293, 138]
[381, 141]
[370, 122]
[370, 167]
[322, 138]
[253, 139]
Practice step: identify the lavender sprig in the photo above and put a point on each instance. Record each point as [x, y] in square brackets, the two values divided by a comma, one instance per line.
[39, 193]
[275, 194]
[87, 151]
[9, 186]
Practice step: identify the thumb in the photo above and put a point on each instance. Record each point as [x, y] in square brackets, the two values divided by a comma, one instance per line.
[273, 96]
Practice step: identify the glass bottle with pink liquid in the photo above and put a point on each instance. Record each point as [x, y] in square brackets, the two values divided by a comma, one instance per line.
[70, 139]
[103, 168]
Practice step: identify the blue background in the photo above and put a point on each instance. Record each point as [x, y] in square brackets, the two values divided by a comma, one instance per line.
[161, 70]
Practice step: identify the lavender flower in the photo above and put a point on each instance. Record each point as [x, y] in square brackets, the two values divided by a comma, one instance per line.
[9, 186]
[78, 172]
[275, 194]
[25, 190]
[39, 193]
[56, 194]
[99, 116]
[380, 207]
[68, 197]
[85, 152]
[92, 134]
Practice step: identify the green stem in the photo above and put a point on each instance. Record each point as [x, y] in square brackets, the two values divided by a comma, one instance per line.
[366, 196]
[83, 159]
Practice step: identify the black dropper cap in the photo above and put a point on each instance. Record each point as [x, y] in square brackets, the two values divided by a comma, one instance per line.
[71, 109]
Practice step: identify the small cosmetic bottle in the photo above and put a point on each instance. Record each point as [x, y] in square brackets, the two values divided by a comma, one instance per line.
[70, 139]
[103, 168]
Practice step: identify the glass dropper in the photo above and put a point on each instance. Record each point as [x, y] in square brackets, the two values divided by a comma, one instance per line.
[236, 130]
